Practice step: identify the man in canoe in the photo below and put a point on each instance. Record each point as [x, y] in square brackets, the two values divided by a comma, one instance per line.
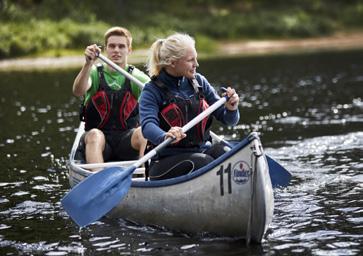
[110, 107]
[173, 97]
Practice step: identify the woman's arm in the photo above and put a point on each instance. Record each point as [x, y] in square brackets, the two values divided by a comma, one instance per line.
[222, 114]
[149, 109]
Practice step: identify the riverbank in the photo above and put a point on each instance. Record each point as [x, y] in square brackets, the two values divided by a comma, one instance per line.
[338, 42]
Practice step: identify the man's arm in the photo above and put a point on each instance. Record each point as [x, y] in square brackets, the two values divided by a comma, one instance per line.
[82, 82]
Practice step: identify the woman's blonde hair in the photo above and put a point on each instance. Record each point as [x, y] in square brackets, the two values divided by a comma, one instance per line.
[164, 51]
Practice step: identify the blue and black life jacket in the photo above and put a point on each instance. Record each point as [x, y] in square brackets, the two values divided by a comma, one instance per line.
[178, 111]
[111, 110]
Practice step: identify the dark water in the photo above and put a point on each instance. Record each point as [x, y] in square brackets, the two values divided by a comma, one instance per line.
[308, 110]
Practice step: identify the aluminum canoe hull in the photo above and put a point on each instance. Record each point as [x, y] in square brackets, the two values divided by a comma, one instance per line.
[231, 196]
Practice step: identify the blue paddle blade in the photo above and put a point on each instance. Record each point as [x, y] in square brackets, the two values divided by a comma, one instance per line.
[280, 177]
[96, 195]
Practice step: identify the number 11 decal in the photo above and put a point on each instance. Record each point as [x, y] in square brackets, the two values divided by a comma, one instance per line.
[240, 173]
[220, 173]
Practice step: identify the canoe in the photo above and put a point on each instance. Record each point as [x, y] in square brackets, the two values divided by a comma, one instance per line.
[230, 197]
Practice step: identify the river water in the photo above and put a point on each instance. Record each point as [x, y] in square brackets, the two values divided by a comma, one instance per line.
[307, 108]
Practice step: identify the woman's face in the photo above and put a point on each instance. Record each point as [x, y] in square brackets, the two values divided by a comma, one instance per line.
[187, 65]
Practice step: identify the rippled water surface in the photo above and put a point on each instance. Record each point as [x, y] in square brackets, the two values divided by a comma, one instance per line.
[308, 110]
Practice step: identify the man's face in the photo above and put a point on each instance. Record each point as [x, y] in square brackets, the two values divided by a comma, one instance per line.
[117, 49]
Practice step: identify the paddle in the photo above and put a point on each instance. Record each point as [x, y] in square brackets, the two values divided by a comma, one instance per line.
[280, 177]
[100, 192]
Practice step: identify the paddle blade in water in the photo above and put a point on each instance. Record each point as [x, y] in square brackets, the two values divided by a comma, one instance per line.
[96, 195]
[280, 177]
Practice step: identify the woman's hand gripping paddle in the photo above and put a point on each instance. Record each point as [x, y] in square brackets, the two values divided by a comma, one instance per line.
[96, 195]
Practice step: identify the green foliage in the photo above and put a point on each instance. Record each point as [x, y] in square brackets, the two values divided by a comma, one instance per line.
[205, 44]
[352, 16]
[34, 36]
[33, 26]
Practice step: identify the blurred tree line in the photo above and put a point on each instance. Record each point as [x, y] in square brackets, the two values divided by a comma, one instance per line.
[33, 26]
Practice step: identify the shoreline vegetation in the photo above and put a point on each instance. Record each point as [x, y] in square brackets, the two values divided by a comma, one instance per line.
[238, 48]
[35, 35]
